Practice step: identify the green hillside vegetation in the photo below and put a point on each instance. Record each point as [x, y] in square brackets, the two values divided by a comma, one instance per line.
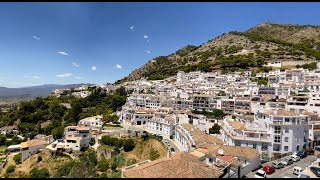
[30, 115]
[265, 42]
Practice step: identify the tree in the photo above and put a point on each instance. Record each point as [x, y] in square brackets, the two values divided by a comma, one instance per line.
[154, 154]
[17, 158]
[118, 161]
[39, 158]
[3, 139]
[57, 133]
[218, 113]
[39, 173]
[215, 129]
[128, 145]
[10, 169]
[103, 165]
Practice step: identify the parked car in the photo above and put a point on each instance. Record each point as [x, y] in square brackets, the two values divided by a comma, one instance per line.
[317, 148]
[268, 169]
[295, 158]
[286, 161]
[297, 170]
[264, 160]
[309, 151]
[302, 154]
[303, 176]
[277, 165]
[260, 174]
[315, 171]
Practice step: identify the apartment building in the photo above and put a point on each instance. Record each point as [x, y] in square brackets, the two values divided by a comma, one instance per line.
[76, 137]
[163, 123]
[272, 132]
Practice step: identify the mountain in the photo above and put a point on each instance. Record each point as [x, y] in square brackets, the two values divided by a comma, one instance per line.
[238, 50]
[25, 93]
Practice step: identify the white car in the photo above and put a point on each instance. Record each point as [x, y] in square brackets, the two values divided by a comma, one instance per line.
[260, 174]
[295, 158]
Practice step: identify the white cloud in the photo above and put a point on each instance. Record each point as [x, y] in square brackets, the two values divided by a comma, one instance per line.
[25, 76]
[75, 64]
[147, 51]
[63, 53]
[118, 66]
[78, 77]
[93, 68]
[145, 36]
[131, 28]
[64, 75]
[36, 37]
[36, 77]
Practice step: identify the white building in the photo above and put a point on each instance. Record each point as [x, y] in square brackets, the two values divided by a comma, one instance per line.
[162, 123]
[272, 133]
[76, 137]
[95, 122]
[31, 147]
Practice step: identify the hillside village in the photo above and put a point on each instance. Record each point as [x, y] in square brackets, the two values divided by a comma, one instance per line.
[227, 108]
[226, 125]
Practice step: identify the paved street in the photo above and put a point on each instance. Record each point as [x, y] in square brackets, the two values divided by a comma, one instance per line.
[287, 170]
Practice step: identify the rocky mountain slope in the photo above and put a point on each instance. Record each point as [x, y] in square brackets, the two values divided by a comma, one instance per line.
[238, 50]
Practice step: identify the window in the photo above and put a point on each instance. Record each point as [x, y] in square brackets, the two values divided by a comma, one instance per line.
[277, 139]
[277, 129]
[287, 130]
[254, 145]
[286, 148]
[286, 139]
[287, 120]
[210, 160]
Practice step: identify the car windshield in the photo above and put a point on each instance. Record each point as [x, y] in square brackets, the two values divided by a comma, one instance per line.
[259, 174]
[304, 176]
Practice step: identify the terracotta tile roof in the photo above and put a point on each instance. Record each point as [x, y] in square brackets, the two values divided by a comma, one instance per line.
[179, 165]
[226, 157]
[236, 151]
[281, 112]
[309, 113]
[32, 143]
[201, 137]
[237, 125]
[169, 118]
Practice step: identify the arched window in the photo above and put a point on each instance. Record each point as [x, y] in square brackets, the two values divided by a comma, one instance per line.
[304, 146]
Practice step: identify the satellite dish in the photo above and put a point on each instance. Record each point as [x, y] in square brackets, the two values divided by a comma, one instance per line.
[220, 151]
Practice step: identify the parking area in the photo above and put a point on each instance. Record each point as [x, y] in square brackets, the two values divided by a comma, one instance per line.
[287, 171]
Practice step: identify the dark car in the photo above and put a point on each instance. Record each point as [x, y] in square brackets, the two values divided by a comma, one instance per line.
[302, 154]
[315, 171]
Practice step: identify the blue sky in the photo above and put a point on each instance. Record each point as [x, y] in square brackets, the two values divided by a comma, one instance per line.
[97, 45]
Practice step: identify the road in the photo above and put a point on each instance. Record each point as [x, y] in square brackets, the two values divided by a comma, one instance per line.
[287, 170]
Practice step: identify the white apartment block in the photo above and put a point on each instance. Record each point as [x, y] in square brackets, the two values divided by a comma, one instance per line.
[162, 123]
[76, 137]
